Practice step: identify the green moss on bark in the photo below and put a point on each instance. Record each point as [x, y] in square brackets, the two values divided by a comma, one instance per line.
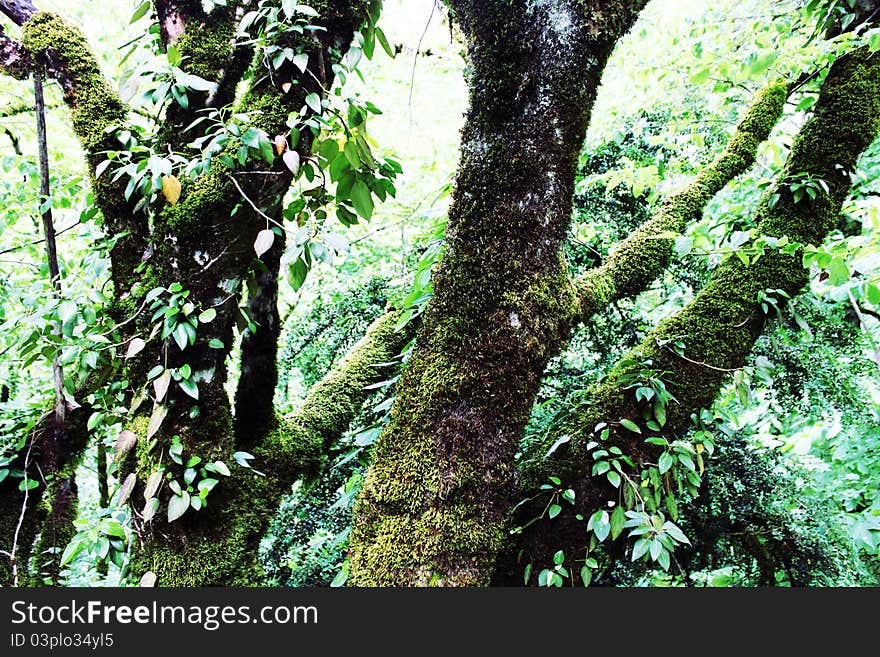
[435, 499]
[94, 105]
[644, 255]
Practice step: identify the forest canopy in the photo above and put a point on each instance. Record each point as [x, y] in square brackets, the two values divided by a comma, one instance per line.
[419, 293]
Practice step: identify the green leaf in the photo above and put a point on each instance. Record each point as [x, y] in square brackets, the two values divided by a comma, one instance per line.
[208, 316]
[629, 424]
[190, 387]
[177, 506]
[313, 100]
[676, 533]
[28, 484]
[351, 154]
[554, 510]
[640, 548]
[618, 518]
[655, 548]
[362, 200]
[138, 14]
[665, 463]
[216, 344]
[586, 575]
[74, 548]
[222, 468]
[559, 558]
[614, 479]
[838, 272]
[383, 41]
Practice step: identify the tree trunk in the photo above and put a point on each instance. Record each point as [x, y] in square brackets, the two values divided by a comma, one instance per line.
[434, 503]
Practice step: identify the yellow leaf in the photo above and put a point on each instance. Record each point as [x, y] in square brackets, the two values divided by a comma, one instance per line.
[171, 189]
[280, 144]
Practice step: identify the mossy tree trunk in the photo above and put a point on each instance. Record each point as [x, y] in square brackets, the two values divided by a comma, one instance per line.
[434, 503]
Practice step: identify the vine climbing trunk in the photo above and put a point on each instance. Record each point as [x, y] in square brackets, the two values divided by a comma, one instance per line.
[433, 506]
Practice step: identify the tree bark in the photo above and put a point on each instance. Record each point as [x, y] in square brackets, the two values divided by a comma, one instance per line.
[434, 502]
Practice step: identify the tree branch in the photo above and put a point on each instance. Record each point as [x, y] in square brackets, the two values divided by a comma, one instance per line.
[19, 11]
[644, 255]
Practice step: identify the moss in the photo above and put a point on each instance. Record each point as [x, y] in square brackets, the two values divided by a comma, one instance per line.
[210, 196]
[215, 546]
[59, 507]
[207, 49]
[640, 259]
[95, 105]
[299, 442]
[219, 545]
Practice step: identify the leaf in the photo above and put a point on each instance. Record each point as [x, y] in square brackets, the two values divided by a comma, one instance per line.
[148, 580]
[291, 160]
[208, 316]
[601, 525]
[152, 485]
[676, 533]
[222, 468]
[313, 100]
[280, 143]
[556, 445]
[629, 424]
[362, 200]
[265, 240]
[301, 61]
[586, 575]
[640, 548]
[665, 463]
[66, 311]
[135, 347]
[618, 518]
[554, 510]
[190, 387]
[655, 549]
[177, 506]
[614, 479]
[180, 335]
[124, 442]
[171, 189]
[138, 14]
[160, 385]
[156, 419]
[216, 344]
[383, 41]
[70, 552]
[127, 487]
[150, 509]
